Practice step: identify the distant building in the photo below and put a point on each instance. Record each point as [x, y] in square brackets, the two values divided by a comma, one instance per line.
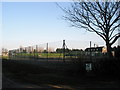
[21, 49]
[4, 52]
[104, 50]
[94, 51]
[12, 53]
[116, 51]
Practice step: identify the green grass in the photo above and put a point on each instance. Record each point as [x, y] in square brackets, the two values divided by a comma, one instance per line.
[4, 57]
[40, 55]
[45, 55]
[52, 55]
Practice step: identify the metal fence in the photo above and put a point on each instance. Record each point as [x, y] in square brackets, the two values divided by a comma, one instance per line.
[56, 53]
[59, 50]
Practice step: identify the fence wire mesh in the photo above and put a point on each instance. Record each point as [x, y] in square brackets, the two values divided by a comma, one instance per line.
[66, 49]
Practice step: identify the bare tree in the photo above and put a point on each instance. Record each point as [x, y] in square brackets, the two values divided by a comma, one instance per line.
[99, 17]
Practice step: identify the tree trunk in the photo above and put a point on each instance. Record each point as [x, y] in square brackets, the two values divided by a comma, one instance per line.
[109, 49]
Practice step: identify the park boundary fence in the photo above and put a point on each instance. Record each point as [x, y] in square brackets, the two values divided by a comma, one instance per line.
[56, 53]
[60, 50]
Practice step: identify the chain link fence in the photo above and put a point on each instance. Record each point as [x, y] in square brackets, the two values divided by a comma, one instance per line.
[82, 56]
[59, 50]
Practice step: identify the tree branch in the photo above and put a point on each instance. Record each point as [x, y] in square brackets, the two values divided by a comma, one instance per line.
[99, 33]
[115, 20]
[113, 29]
[116, 38]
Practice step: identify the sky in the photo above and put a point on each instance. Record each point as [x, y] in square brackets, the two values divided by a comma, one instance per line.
[31, 23]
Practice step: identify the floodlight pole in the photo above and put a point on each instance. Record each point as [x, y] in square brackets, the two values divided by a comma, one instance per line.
[47, 50]
[90, 51]
[37, 51]
[63, 50]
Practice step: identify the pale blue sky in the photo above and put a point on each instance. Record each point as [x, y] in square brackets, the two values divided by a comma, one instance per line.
[30, 23]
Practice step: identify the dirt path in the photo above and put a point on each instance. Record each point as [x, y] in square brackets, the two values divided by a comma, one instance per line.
[8, 83]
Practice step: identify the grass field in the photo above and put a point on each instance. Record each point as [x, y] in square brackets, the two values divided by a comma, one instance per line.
[41, 55]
